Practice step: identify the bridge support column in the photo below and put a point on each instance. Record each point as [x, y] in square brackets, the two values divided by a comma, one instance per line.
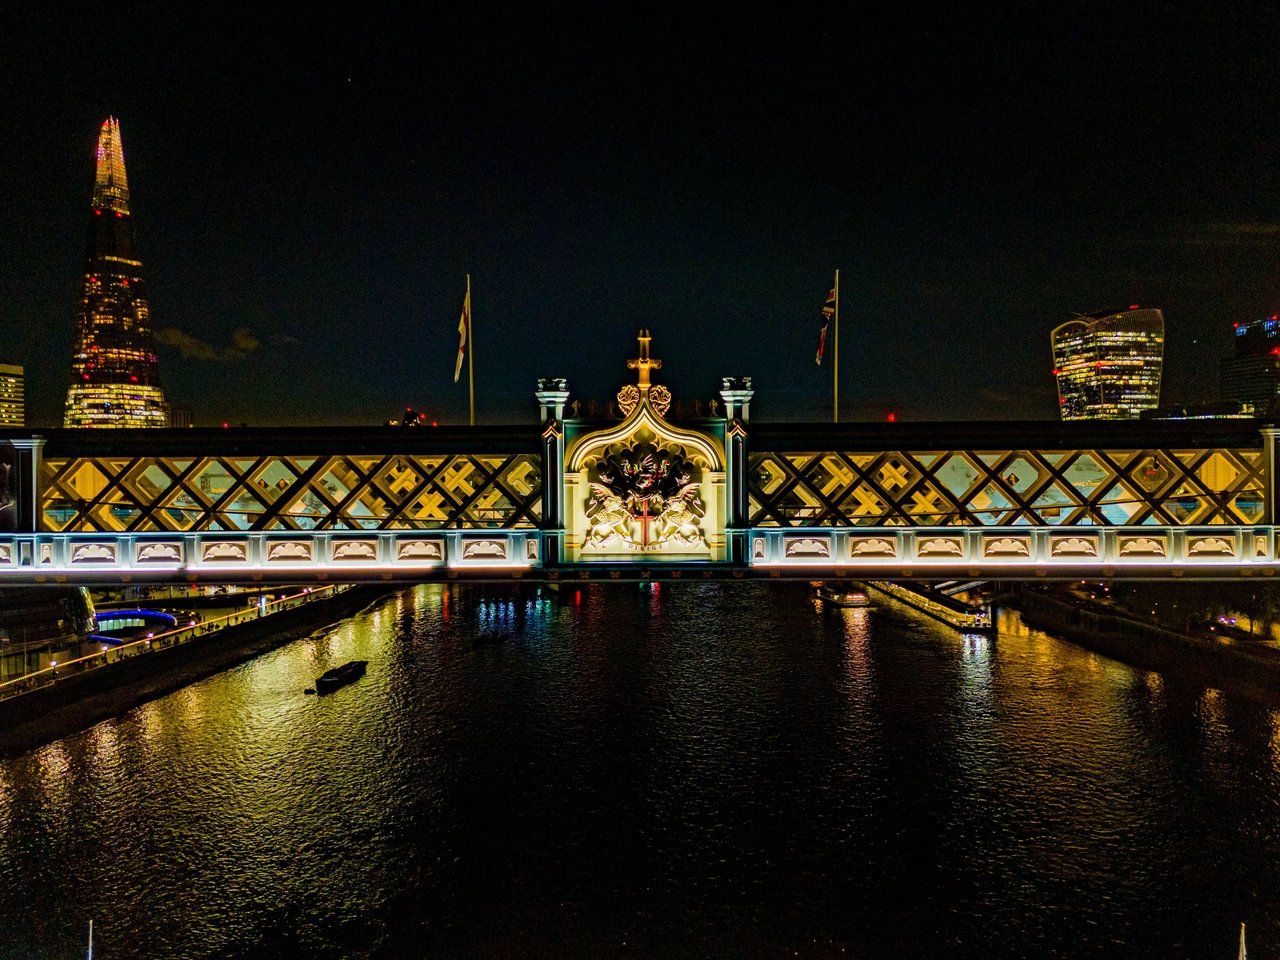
[1269, 434]
[736, 392]
[28, 452]
[552, 394]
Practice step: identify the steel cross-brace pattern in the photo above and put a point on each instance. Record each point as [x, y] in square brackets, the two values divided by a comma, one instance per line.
[388, 492]
[1008, 488]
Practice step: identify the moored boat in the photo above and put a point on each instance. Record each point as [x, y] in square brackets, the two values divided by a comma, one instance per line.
[338, 677]
[838, 596]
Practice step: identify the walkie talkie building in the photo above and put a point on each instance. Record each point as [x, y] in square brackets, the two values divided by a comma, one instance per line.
[1108, 365]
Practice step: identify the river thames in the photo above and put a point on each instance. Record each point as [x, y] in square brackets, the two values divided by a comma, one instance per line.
[711, 770]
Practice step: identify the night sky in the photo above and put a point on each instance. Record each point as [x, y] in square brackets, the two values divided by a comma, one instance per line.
[311, 190]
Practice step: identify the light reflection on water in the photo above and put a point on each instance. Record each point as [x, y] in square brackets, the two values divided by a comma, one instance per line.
[687, 769]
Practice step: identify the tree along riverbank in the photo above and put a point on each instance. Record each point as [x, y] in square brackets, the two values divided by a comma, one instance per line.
[77, 702]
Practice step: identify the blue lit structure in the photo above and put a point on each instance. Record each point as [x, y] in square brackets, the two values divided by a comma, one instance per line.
[1251, 375]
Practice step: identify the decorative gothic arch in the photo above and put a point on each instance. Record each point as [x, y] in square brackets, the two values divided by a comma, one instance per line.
[644, 488]
[644, 419]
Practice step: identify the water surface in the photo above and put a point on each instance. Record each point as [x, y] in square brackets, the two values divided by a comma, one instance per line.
[718, 770]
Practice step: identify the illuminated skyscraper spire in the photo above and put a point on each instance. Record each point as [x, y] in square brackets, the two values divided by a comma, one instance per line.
[115, 380]
[111, 186]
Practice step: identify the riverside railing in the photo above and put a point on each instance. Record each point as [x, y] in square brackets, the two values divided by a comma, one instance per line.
[107, 655]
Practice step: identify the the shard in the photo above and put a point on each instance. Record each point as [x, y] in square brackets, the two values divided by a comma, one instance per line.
[115, 378]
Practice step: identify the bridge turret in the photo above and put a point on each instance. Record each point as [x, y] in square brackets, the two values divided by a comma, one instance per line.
[736, 392]
[552, 394]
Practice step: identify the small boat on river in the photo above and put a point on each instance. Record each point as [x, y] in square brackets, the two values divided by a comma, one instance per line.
[843, 596]
[339, 677]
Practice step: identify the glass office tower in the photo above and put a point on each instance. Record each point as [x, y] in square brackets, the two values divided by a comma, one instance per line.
[1108, 365]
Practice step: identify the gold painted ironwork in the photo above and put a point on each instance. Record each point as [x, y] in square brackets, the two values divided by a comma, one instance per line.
[1008, 488]
[643, 363]
[396, 492]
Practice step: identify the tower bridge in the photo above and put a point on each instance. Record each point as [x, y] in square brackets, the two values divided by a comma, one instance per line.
[641, 496]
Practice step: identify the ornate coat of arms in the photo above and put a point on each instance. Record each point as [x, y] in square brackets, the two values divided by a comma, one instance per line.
[646, 499]
[635, 489]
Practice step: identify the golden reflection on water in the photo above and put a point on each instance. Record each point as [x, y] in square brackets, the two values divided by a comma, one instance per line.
[272, 751]
[6, 806]
[53, 768]
[857, 634]
[975, 659]
[104, 744]
[1154, 683]
[1059, 715]
[189, 703]
[428, 597]
[1274, 743]
[150, 722]
[1211, 706]
[857, 668]
[858, 663]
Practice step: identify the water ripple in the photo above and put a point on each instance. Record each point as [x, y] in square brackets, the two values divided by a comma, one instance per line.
[664, 771]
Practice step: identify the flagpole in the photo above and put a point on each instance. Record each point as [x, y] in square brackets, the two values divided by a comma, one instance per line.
[835, 405]
[471, 352]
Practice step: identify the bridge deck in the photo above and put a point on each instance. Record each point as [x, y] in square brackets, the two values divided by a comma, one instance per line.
[936, 501]
[943, 553]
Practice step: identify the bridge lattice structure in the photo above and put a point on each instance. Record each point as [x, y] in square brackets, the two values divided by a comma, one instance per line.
[929, 501]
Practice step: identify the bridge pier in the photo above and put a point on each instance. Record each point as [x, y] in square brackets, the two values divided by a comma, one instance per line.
[736, 392]
[25, 485]
[1269, 433]
[552, 394]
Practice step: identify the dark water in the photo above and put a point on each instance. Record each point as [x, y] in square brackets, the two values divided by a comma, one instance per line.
[705, 771]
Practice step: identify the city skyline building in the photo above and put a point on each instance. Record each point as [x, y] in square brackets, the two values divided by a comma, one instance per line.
[1108, 365]
[1252, 373]
[12, 396]
[115, 376]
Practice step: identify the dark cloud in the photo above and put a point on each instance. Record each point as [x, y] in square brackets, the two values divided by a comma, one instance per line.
[243, 343]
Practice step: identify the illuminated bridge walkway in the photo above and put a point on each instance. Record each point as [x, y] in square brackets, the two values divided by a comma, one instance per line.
[641, 496]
